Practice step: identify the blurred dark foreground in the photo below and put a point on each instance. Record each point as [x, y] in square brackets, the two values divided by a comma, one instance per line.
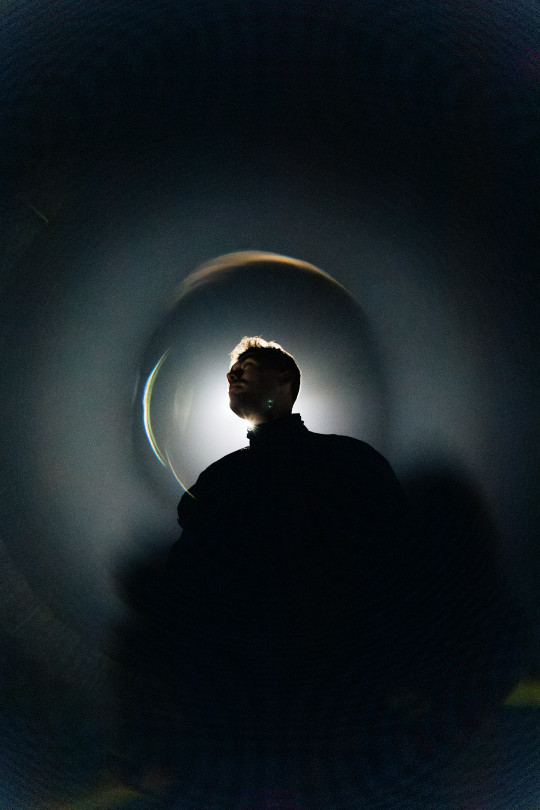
[370, 692]
[396, 699]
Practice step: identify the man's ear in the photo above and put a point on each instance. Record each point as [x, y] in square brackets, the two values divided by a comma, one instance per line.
[286, 377]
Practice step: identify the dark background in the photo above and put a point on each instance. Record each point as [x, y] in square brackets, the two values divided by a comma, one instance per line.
[394, 145]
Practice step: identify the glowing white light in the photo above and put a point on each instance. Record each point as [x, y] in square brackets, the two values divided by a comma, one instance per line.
[192, 425]
[219, 430]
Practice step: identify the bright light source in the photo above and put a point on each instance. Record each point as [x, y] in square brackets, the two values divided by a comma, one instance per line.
[186, 413]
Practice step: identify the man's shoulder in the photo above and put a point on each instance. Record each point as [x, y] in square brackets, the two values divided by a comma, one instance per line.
[215, 478]
[348, 451]
[344, 443]
[229, 461]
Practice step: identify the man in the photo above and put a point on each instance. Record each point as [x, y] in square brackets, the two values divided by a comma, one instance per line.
[305, 612]
[290, 488]
[286, 556]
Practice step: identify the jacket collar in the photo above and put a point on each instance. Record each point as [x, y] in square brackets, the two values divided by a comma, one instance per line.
[280, 430]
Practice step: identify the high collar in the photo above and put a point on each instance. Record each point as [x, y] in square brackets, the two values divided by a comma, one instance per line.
[269, 433]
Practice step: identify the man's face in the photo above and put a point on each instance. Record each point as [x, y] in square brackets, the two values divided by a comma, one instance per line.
[252, 389]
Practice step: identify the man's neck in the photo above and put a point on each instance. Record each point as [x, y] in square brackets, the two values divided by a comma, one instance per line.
[268, 433]
[271, 414]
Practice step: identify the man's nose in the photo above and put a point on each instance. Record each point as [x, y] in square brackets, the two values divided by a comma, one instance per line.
[234, 375]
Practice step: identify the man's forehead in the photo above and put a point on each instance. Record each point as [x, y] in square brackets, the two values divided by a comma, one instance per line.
[242, 359]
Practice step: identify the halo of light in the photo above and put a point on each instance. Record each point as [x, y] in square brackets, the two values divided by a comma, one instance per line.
[184, 405]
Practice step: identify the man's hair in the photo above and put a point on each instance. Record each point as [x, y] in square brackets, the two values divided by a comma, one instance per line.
[271, 355]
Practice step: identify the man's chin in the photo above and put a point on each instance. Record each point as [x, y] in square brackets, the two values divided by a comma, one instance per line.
[237, 409]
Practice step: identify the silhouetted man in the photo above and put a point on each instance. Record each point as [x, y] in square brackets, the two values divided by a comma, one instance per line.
[285, 561]
[303, 608]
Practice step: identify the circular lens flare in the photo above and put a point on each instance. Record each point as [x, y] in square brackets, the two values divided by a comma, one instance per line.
[185, 413]
[147, 398]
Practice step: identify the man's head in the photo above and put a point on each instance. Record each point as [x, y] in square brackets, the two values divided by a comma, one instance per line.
[264, 380]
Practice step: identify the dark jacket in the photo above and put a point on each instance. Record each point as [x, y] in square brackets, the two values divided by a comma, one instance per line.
[295, 516]
[307, 593]
[285, 567]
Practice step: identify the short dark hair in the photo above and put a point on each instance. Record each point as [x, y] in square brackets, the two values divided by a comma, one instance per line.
[271, 355]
